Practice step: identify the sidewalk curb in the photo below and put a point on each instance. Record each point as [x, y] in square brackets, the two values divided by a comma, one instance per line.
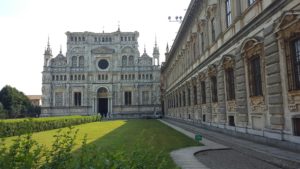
[185, 157]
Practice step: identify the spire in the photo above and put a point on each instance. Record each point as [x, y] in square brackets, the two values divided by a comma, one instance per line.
[118, 26]
[145, 48]
[48, 50]
[48, 44]
[155, 60]
[155, 49]
[167, 48]
[60, 51]
[155, 41]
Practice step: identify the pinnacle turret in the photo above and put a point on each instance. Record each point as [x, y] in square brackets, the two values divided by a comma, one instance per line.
[48, 50]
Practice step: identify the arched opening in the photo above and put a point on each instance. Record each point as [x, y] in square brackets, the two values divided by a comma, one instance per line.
[102, 101]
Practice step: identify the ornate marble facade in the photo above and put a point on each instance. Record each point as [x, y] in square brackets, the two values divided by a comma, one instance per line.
[101, 73]
[239, 61]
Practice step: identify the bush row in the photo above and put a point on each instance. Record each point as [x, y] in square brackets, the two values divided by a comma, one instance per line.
[19, 127]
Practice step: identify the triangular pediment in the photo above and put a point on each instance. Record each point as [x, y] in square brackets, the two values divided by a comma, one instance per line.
[103, 50]
[288, 18]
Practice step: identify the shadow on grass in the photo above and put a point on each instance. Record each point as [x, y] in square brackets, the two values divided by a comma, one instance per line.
[148, 136]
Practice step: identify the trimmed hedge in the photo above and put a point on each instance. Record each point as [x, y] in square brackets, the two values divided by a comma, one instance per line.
[15, 127]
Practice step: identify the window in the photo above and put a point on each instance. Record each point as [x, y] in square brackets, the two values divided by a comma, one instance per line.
[58, 98]
[250, 2]
[294, 65]
[71, 77]
[214, 89]
[83, 77]
[177, 101]
[228, 12]
[213, 34]
[189, 96]
[203, 117]
[145, 97]
[81, 61]
[203, 92]
[103, 64]
[77, 98]
[131, 60]
[53, 77]
[255, 83]
[74, 61]
[122, 77]
[195, 94]
[296, 125]
[194, 50]
[231, 121]
[124, 60]
[180, 100]
[127, 98]
[230, 84]
[183, 98]
[202, 42]
[71, 38]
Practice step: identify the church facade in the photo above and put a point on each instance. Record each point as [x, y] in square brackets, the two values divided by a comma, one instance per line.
[234, 67]
[101, 73]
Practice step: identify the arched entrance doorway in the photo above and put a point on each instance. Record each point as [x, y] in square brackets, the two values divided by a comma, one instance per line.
[102, 101]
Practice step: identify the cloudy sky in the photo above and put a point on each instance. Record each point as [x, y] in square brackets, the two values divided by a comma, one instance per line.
[26, 24]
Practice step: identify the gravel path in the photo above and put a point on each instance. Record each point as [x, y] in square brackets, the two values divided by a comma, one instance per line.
[231, 159]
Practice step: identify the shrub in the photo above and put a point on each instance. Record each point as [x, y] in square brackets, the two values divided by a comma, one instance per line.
[21, 126]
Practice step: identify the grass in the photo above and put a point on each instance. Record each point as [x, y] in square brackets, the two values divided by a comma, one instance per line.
[125, 135]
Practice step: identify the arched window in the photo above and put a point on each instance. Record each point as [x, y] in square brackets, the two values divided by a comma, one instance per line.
[74, 61]
[203, 92]
[252, 51]
[124, 60]
[228, 64]
[254, 71]
[214, 89]
[81, 61]
[131, 60]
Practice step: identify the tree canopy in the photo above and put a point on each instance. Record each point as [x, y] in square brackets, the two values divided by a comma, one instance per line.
[15, 103]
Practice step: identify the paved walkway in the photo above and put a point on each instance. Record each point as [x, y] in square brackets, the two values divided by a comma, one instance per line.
[185, 157]
[272, 155]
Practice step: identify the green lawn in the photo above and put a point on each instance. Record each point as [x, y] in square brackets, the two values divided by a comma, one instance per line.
[124, 135]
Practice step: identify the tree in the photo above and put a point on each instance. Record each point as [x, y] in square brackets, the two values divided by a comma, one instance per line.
[2, 111]
[15, 103]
